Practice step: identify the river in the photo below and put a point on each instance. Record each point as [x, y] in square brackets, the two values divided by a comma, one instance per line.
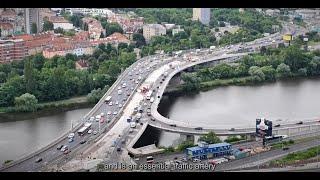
[224, 107]
[18, 138]
[239, 106]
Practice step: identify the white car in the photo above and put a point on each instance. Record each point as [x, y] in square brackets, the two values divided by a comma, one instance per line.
[95, 132]
[137, 82]
[119, 88]
[132, 124]
[120, 106]
[109, 113]
[91, 119]
[124, 85]
[98, 117]
[90, 131]
[110, 103]
[117, 102]
[71, 135]
[102, 114]
[115, 113]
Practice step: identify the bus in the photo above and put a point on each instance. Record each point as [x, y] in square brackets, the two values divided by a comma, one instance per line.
[108, 99]
[84, 129]
[149, 95]
[273, 139]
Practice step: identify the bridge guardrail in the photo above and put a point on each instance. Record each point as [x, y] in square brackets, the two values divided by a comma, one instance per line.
[57, 140]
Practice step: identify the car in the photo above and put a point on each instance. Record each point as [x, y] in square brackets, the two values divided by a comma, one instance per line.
[196, 160]
[71, 135]
[119, 88]
[128, 94]
[65, 147]
[110, 103]
[70, 140]
[109, 113]
[131, 130]
[123, 141]
[67, 151]
[132, 124]
[198, 128]
[101, 120]
[124, 99]
[83, 141]
[118, 149]
[124, 85]
[153, 119]
[102, 114]
[141, 123]
[95, 132]
[38, 160]
[98, 117]
[173, 125]
[59, 147]
[184, 159]
[132, 88]
[90, 131]
[117, 103]
[277, 125]
[232, 129]
[300, 122]
[137, 82]
[115, 113]
[91, 119]
[285, 148]
[120, 106]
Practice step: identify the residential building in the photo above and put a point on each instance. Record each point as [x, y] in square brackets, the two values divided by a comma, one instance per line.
[201, 14]
[60, 22]
[6, 29]
[273, 12]
[66, 48]
[94, 27]
[12, 50]
[177, 30]
[308, 13]
[89, 11]
[151, 30]
[32, 16]
[82, 64]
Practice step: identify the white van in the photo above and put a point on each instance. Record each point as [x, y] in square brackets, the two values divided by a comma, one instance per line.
[119, 92]
[132, 124]
[151, 99]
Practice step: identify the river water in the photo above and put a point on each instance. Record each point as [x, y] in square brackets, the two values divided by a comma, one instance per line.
[18, 138]
[239, 106]
[224, 107]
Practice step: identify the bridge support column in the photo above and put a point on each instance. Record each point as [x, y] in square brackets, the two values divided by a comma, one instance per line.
[196, 138]
[186, 137]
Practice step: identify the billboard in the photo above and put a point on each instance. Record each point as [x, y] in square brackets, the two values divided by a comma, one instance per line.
[263, 127]
[287, 37]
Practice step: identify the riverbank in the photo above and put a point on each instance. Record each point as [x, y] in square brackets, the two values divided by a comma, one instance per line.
[45, 109]
[237, 81]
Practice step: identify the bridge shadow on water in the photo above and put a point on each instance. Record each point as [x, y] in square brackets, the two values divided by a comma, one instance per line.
[150, 136]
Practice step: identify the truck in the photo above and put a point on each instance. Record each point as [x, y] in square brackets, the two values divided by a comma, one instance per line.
[84, 129]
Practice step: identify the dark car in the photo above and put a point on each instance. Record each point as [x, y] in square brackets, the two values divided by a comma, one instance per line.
[173, 125]
[198, 128]
[153, 119]
[300, 122]
[232, 129]
[38, 160]
[59, 147]
[285, 148]
[118, 149]
[141, 123]
[83, 141]
[277, 125]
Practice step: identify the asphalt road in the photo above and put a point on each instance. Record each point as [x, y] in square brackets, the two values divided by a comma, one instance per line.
[52, 154]
[258, 159]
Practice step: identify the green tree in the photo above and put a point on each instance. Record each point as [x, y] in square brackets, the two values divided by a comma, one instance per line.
[95, 95]
[184, 145]
[210, 138]
[26, 103]
[269, 72]
[29, 75]
[34, 28]
[38, 61]
[139, 39]
[283, 70]
[3, 77]
[191, 82]
[59, 30]
[100, 167]
[112, 28]
[47, 26]
[294, 58]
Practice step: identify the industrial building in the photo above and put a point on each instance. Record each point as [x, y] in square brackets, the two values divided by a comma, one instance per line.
[205, 151]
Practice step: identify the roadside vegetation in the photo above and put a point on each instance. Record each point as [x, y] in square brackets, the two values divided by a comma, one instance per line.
[233, 138]
[36, 82]
[296, 157]
[270, 65]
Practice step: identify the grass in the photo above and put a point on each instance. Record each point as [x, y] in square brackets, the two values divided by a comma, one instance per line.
[298, 156]
[282, 144]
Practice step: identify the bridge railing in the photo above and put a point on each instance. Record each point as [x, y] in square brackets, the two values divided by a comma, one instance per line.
[64, 136]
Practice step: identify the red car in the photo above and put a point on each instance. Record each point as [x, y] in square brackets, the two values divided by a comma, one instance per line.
[67, 151]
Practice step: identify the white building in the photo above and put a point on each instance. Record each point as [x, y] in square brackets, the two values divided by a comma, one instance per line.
[176, 30]
[151, 30]
[32, 15]
[201, 14]
[90, 11]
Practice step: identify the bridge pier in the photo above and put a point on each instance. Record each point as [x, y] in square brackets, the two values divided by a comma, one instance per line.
[187, 137]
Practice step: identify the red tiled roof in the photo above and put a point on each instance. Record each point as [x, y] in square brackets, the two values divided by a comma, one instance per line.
[8, 12]
[6, 26]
